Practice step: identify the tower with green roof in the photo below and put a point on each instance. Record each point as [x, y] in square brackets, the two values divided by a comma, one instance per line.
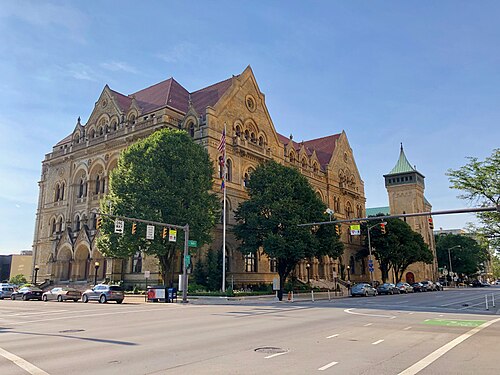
[405, 187]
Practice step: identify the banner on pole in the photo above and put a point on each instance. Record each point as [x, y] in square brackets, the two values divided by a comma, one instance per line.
[119, 225]
[172, 235]
[150, 232]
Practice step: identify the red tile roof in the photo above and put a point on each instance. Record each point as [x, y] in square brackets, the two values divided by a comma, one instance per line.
[64, 140]
[210, 95]
[324, 146]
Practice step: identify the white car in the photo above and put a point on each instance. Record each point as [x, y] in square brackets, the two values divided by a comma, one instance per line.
[497, 282]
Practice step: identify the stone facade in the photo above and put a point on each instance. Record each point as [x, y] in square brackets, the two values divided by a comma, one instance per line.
[75, 177]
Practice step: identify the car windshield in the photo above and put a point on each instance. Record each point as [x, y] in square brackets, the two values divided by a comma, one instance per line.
[115, 288]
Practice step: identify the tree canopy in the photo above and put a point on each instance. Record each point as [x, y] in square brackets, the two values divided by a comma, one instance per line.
[280, 198]
[467, 255]
[480, 183]
[166, 178]
[398, 248]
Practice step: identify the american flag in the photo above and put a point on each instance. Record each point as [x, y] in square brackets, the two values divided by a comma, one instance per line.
[222, 144]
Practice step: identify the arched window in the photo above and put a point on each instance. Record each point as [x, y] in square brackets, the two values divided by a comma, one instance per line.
[81, 188]
[57, 193]
[132, 119]
[261, 141]
[60, 226]
[94, 220]
[291, 157]
[229, 170]
[252, 138]
[101, 130]
[250, 263]
[238, 131]
[97, 184]
[77, 223]
[221, 166]
[304, 163]
[315, 167]
[191, 129]
[115, 126]
[52, 226]
[63, 185]
[92, 133]
[247, 134]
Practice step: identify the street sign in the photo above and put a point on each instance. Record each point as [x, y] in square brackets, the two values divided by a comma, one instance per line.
[192, 243]
[172, 235]
[355, 230]
[445, 272]
[187, 261]
[119, 225]
[147, 274]
[371, 269]
[276, 283]
[150, 232]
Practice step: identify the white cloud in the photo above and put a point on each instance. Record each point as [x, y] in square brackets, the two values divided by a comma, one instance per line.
[82, 72]
[116, 66]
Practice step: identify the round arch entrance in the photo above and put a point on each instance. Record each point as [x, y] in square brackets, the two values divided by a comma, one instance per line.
[410, 278]
[63, 264]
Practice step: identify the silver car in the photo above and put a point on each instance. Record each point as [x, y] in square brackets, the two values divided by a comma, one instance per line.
[363, 289]
[404, 287]
[61, 294]
[104, 293]
[6, 291]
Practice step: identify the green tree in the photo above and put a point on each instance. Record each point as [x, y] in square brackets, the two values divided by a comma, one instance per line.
[18, 280]
[480, 183]
[280, 198]
[398, 248]
[166, 178]
[208, 271]
[467, 256]
[495, 264]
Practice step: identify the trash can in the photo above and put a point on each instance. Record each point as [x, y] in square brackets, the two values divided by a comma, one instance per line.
[172, 294]
[157, 294]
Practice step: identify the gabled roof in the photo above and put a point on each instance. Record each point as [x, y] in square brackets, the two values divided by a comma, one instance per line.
[403, 165]
[122, 100]
[210, 95]
[168, 92]
[324, 146]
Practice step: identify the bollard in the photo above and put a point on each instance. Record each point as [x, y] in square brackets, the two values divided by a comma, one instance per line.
[492, 299]
[486, 299]
[292, 296]
[329, 299]
[289, 296]
[312, 295]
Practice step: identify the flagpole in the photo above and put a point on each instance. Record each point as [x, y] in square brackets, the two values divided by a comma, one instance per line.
[224, 217]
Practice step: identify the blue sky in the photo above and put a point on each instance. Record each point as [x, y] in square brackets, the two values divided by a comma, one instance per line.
[424, 73]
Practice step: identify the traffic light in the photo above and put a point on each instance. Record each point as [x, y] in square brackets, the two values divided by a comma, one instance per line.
[98, 222]
[431, 223]
[337, 230]
[134, 228]
[165, 232]
[382, 228]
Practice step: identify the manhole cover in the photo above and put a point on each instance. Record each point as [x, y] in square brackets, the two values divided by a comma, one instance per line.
[270, 350]
[71, 330]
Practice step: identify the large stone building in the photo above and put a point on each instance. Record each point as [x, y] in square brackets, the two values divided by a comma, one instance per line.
[405, 187]
[75, 177]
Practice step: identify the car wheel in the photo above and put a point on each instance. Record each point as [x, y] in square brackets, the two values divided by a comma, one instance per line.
[85, 298]
[75, 300]
[118, 301]
[59, 298]
[13, 297]
[366, 294]
[102, 299]
[25, 297]
[44, 298]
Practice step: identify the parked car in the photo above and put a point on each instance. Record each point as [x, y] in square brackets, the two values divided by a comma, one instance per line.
[497, 282]
[478, 284]
[418, 287]
[62, 294]
[404, 287]
[439, 286]
[26, 293]
[6, 291]
[363, 289]
[387, 288]
[429, 286]
[104, 293]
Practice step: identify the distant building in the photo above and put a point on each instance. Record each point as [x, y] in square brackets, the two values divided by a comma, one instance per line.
[16, 264]
[405, 187]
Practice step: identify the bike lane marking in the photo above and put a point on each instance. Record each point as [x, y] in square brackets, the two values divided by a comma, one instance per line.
[435, 355]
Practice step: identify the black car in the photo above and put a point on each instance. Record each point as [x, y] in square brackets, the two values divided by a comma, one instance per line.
[479, 284]
[418, 287]
[26, 293]
[387, 288]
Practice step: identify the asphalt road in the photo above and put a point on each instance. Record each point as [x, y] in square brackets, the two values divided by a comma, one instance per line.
[427, 333]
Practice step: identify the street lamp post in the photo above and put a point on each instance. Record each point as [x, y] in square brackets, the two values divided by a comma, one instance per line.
[449, 258]
[349, 274]
[96, 266]
[307, 268]
[36, 272]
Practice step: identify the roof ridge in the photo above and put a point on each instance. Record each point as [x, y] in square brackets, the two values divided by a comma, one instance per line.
[156, 84]
[214, 84]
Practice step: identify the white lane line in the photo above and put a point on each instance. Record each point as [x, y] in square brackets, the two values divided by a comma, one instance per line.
[327, 366]
[275, 355]
[349, 311]
[436, 354]
[410, 313]
[407, 328]
[368, 324]
[377, 342]
[25, 365]
[36, 313]
[332, 336]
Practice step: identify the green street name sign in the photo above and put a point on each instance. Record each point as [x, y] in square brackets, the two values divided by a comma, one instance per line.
[192, 243]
